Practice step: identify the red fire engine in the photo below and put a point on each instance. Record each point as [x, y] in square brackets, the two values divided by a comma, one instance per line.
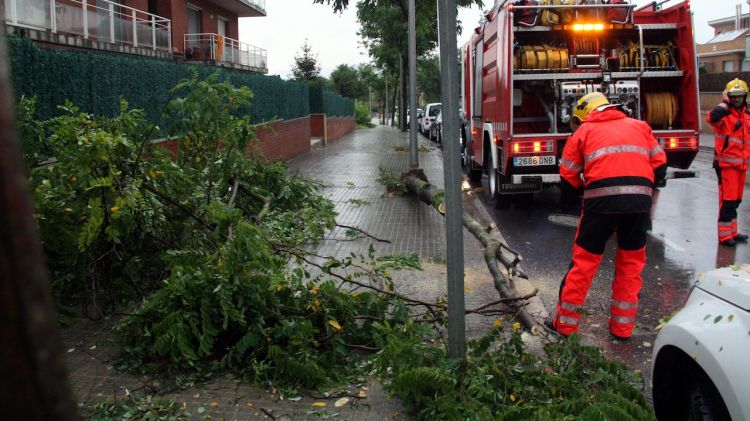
[529, 61]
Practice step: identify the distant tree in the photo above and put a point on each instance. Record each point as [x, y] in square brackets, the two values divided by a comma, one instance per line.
[428, 77]
[346, 82]
[306, 67]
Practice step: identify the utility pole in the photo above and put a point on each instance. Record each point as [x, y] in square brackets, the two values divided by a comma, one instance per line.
[452, 172]
[369, 102]
[413, 152]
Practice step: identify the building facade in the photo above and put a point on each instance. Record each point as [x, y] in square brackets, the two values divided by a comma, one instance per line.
[191, 30]
[727, 51]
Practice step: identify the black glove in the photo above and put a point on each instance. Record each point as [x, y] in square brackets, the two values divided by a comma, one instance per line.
[718, 113]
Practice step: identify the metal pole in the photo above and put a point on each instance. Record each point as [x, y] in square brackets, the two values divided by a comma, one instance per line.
[452, 170]
[413, 152]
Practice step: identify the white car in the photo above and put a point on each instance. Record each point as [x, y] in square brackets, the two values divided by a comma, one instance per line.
[701, 359]
[430, 112]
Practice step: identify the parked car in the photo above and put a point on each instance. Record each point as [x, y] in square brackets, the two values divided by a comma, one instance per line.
[430, 112]
[420, 113]
[438, 126]
[701, 365]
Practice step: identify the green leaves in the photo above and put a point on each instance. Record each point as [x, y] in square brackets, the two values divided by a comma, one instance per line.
[500, 380]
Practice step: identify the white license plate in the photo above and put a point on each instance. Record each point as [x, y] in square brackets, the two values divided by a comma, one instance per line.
[527, 161]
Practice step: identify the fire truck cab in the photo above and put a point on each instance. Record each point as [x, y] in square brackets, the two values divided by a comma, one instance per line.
[529, 62]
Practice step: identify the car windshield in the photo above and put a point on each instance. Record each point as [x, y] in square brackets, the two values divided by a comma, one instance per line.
[434, 111]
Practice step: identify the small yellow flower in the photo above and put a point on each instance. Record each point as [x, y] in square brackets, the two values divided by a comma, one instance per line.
[114, 209]
[319, 404]
[69, 210]
[516, 326]
[498, 323]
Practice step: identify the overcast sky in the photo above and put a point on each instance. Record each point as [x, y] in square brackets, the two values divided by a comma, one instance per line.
[333, 37]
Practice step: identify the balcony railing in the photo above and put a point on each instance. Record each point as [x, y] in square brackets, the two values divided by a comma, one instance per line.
[101, 21]
[219, 48]
[259, 4]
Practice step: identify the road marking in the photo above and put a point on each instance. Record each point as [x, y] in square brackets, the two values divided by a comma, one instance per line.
[563, 220]
[664, 240]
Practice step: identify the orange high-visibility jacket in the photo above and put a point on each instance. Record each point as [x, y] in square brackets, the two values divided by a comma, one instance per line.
[620, 161]
[731, 136]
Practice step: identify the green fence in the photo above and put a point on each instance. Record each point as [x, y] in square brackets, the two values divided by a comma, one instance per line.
[329, 103]
[95, 82]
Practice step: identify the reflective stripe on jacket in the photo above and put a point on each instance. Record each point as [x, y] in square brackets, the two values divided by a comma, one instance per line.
[731, 138]
[617, 157]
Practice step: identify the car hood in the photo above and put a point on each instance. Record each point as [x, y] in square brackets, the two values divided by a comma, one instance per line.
[731, 284]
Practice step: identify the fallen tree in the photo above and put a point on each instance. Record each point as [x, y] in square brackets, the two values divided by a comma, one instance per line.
[502, 261]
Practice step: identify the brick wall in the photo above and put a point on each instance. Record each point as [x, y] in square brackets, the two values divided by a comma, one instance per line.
[288, 139]
[317, 125]
[338, 127]
[284, 140]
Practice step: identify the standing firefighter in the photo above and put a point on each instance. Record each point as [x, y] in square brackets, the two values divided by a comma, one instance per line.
[616, 161]
[731, 121]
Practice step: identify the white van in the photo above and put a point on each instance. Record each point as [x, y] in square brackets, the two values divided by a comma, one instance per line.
[430, 112]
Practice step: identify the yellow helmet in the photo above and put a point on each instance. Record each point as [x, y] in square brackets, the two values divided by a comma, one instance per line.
[588, 103]
[736, 87]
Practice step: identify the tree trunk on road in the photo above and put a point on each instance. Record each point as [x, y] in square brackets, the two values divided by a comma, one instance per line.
[502, 261]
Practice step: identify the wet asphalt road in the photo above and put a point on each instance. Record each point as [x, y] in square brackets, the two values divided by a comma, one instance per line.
[683, 244]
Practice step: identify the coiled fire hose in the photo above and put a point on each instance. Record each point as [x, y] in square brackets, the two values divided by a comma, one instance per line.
[661, 109]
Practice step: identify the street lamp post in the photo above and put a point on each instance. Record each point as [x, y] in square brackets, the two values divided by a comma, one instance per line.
[452, 173]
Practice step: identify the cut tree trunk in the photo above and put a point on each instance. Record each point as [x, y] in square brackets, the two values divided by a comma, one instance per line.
[501, 260]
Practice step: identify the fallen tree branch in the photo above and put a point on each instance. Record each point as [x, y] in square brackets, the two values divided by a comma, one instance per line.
[496, 249]
[360, 230]
[503, 300]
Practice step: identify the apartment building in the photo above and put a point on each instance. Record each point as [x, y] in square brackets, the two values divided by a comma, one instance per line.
[191, 30]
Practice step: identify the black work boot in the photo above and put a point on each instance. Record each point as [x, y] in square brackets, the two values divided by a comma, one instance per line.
[729, 243]
[740, 238]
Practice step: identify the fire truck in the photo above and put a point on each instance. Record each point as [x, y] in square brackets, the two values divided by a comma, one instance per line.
[529, 61]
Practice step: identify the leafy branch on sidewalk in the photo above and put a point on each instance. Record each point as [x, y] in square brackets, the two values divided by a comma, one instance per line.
[207, 250]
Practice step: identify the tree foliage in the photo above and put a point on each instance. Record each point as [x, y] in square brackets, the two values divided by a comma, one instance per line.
[208, 249]
[428, 78]
[346, 82]
[306, 67]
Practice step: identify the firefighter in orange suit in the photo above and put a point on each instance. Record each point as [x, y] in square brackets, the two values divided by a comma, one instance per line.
[616, 161]
[731, 121]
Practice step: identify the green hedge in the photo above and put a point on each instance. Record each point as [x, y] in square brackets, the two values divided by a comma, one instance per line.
[95, 81]
[329, 103]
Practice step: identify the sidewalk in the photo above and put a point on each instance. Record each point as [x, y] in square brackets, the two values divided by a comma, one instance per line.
[348, 168]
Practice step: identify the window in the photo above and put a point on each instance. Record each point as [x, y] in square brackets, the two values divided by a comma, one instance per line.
[223, 24]
[745, 66]
[728, 66]
[194, 21]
